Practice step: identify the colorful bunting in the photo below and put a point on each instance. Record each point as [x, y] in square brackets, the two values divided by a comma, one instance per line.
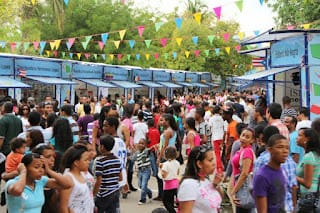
[66, 2]
[197, 53]
[140, 30]
[163, 42]
[239, 4]
[132, 43]
[179, 40]
[147, 42]
[207, 52]
[55, 54]
[217, 11]
[227, 50]
[104, 37]
[111, 57]
[138, 57]
[147, 56]
[197, 17]
[116, 44]
[128, 57]
[290, 27]
[119, 56]
[226, 37]
[95, 56]
[36, 45]
[63, 54]
[238, 47]
[174, 54]
[166, 55]
[122, 33]
[210, 38]
[158, 25]
[48, 53]
[217, 50]
[195, 40]
[71, 55]
[3, 44]
[33, 2]
[101, 45]
[256, 32]
[57, 44]
[156, 56]
[79, 56]
[103, 56]
[88, 38]
[26, 46]
[261, 2]
[241, 35]
[178, 22]
[70, 43]
[187, 53]
[306, 26]
[52, 45]
[87, 55]
[13, 46]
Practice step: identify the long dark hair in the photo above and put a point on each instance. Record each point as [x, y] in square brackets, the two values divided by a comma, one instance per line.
[72, 154]
[62, 134]
[171, 121]
[103, 112]
[313, 144]
[190, 121]
[36, 138]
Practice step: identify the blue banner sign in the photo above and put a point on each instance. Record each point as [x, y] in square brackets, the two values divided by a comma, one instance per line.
[192, 77]
[6, 66]
[87, 71]
[287, 52]
[160, 75]
[33, 67]
[178, 76]
[314, 49]
[142, 75]
[116, 74]
[205, 77]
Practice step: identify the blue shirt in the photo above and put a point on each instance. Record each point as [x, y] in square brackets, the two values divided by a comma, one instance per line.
[294, 147]
[289, 168]
[30, 201]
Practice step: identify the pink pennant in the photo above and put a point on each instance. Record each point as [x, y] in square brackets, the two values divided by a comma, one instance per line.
[36, 45]
[140, 30]
[291, 27]
[70, 42]
[101, 45]
[55, 53]
[87, 55]
[197, 53]
[13, 46]
[226, 37]
[156, 56]
[119, 56]
[217, 11]
[238, 47]
[163, 42]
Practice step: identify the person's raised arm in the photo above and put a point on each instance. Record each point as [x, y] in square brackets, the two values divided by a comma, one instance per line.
[306, 180]
[17, 188]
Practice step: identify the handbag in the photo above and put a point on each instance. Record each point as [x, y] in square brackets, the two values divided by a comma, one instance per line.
[244, 193]
[309, 202]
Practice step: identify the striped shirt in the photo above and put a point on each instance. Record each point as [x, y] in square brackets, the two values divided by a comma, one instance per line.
[74, 127]
[109, 167]
[143, 159]
[288, 112]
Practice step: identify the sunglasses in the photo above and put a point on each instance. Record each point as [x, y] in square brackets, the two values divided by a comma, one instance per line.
[25, 109]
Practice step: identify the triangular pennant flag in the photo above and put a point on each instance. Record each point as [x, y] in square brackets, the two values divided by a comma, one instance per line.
[156, 56]
[66, 2]
[88, 38]
[166, 55]
[197, 17]
[207, 52]
[122, 33]
[132, 43]
[239, 5]
[18, 44]
[138, 57]
[119, 56]
[217, 50]
[210, 38]
[3, 44]
[256, 32]
[174, 54]
[241, 35]
[217, 11]
[57, 44]
[26, 46]
[52, 45]
[158, 25]
[79, 56]
[13, 46]
[147, 56]
[116, 44]
[178, 22]
[63, 54]
[55, 54]
[179, 40]
[70, 43]
[101, 45]
[48, 53]
[87, 55]
[103, 56]
[261, 2]
[33, 2]
[226, 37]
[111, 57]
[42, 46]
[36, 45]
[227, 50]
[95, 56]
[187, 53]
[140, 30]
[163, 42]
[306, 26]
[128, 57]
[238, 47]
[104, 37]
[197, 53]
[84, 45]
[195, 40]
[147, 42]
[291, 27]
[71, 55]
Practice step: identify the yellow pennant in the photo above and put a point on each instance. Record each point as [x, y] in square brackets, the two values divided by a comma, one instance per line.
[48, 53]
[116, 44]
[111, 57]
[52, 45]
[179, 40]
[147, 56]
[57, 44]
[228, 50]
[122, 33]
[79, 55]
[187, 53]
[241, 35]
[33, 2]
[306, 26]
[197, 17]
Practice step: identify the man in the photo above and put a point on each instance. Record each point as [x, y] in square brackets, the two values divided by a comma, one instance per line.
[10, 127]
[258, 117]
[47, 109]
[66, 111]
[100, 104]
[239, 108]
[130, 99]
[303, 118]
[147, 112]
[273, 115]
[296, 151]
[202, 127]
[288, 110]
[34, 119]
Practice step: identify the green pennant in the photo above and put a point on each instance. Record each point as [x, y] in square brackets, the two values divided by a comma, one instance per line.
[158, 25]
[18, 44]
[128, 57]
[148, 42]
[95, 56]
[88, 38]
[26, 46]
[206, 52]
[239, 4]
[166, 55]
[210, 38]
[84, 45]
[63, 54]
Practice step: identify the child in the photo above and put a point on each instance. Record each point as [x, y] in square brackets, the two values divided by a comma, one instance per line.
[169, 173]
[269, 183]
[144, 171]
[18, 147]
[108, 173]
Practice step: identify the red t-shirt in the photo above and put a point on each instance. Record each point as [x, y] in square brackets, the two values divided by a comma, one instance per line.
[153, 136]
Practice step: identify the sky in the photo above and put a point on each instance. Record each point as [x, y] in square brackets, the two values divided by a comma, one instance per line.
[253, 17]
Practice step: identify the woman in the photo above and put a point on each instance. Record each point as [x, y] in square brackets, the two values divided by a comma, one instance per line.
[308, 170]
[192, 138]
[24, 111]
[242, 165]
[33, 138]
[97, 127]
[62, 136]
[196, 193]
[25, 193]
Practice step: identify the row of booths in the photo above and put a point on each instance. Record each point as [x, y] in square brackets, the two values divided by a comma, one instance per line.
[25, 76]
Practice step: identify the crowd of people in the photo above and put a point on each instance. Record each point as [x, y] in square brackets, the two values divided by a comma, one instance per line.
[200, 148]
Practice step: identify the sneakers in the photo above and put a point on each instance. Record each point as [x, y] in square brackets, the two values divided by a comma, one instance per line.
[141, 202]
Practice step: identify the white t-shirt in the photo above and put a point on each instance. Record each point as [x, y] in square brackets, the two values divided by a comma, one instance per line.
[172, 168]
[205, 197]
[119, 150]
[140, 130]
[303, 124]
[216, 122]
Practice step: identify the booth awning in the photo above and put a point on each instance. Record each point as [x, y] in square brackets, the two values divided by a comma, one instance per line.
[150, 84]
[97, 83]
[262, 74]
[50, 80]
[126, 84]
[169, 84]
[186, 84]
[199, 85]
[6, 82]
[212, 84]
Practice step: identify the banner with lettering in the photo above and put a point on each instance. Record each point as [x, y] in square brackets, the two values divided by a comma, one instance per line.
[6, 66]
[113, 73]
[38, 67]
[159, 75]
[178, 76]
[192, 77]
[87, 71]
[141, 75]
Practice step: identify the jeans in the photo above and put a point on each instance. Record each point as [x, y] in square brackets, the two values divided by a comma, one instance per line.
[144, 176]
[109, 204]
[168, 199]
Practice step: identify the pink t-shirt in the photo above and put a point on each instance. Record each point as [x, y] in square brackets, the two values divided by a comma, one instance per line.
[197, 141]
[171, 184]
[235, 161]
[128, 123]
